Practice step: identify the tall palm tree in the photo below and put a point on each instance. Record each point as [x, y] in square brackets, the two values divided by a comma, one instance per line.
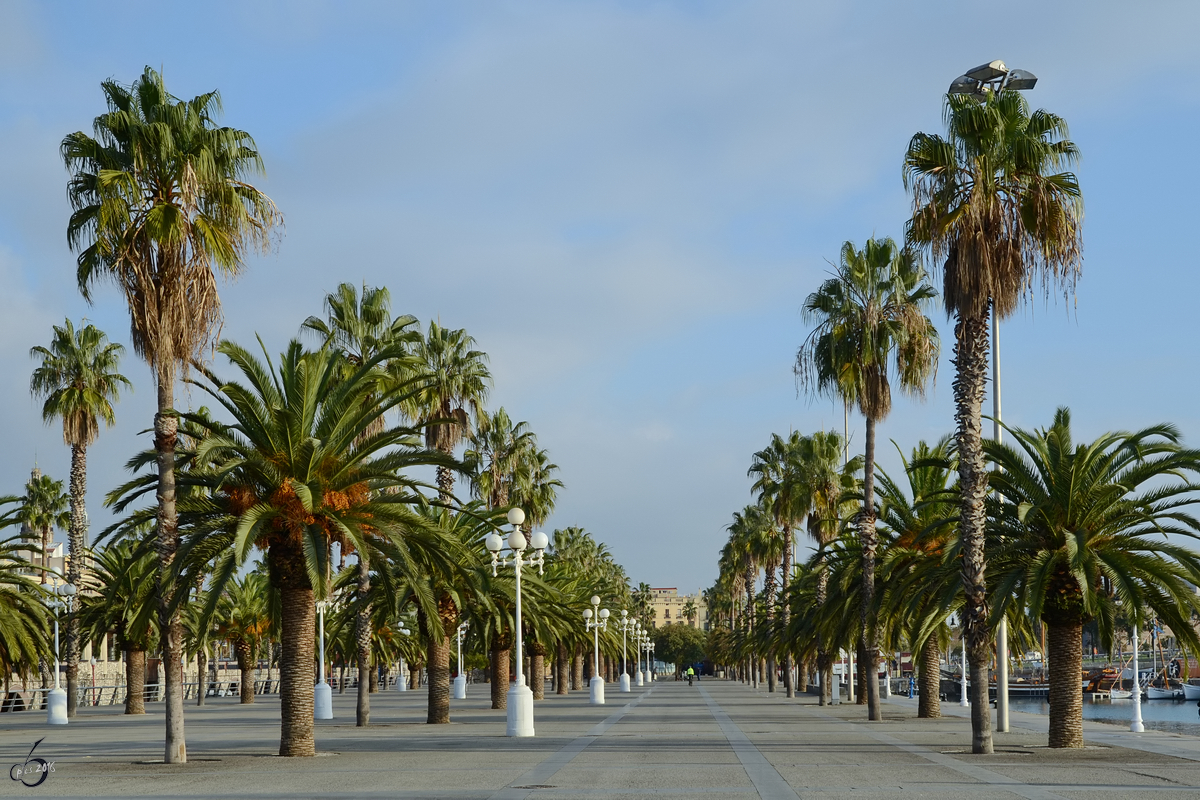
[360, 327]
[993, 202]
[160, 201]
[294, 473]
[78, 378]
[454, 383]
[870, 328]
[24, 619]
[494, 456]
[1081, 529]
[779, 486]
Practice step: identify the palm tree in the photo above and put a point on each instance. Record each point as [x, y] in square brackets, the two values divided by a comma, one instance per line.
[780, 491]
[24, 622]
[991, 201]
[242, 620]
[160, 200]
[454, 383]
[78, 378]
[360, 328]
[494, 456]
[43, 508]
[1081, 530]
[870, 328]
[689, 613]
[919, 523]
[122, 601]
[294, 474]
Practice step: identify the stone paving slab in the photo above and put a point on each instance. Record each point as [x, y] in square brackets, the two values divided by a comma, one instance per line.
[718, 739]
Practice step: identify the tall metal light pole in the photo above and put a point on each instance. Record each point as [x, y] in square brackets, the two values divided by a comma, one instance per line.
[637, 640]
[626, 625]
[596, 684]
[995, 77]
[520, 697]
[460, 680]
[56, 700]
[322, 694]
[1136, 725]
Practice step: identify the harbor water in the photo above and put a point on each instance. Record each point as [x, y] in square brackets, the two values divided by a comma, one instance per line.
[1169, 716]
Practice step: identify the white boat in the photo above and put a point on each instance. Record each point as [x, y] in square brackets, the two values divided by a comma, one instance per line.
[1191, 691]
[1122, 694]
[1157, 693]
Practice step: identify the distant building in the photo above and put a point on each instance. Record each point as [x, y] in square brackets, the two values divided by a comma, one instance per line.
[671, 606]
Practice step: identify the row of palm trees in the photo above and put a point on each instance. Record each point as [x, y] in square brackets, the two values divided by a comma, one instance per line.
[996, 209]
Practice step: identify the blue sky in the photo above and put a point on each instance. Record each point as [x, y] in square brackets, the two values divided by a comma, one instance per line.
[626, 204]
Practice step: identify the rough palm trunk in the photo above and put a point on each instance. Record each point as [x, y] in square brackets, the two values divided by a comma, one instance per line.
[166, 427]
[801, 675]
[245, 659]
[537, 670]
[870, 544]
[135, 681]
[769, 590]
[75, 569]
[785, 608]
[824, 662]
[439, 676]
[577, 670]
[296, 678]
[861, 675]
[563, 666]
[1065, 642]
[201, 675]
[970, 358]
[752, 659]
[362, 642]
[929, 704]
[500, 675]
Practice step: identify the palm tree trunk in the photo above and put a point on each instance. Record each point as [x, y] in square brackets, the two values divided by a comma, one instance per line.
[166, 427]
[929, 704]
[296, 678]
[869, 657]
[362, 641]
[438, 712]
[201, 675]
[75, 569]
[245, 661]
[824, 662]
[537, 670]
[563, 666]
[1065, 641]
[500, 676]
[135, 681]
[785, 607]
[769, 590]
[970, 358]
[801, 675]
[577, 670]
[861, 674]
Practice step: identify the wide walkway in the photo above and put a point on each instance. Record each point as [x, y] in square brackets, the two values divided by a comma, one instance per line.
[716, 739]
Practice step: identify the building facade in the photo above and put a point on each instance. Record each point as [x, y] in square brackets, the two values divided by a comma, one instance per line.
[670, 607]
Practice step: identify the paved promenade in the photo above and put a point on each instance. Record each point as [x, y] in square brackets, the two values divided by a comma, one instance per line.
[717, 739]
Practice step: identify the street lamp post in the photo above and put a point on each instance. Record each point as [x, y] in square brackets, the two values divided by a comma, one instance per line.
[601, 622]
[460, 681]
[56, 700]
[995, 77]
[626, 625]
[1135, 726]
[520, 697]
[637, 640]
[322, 694]
[401, 682]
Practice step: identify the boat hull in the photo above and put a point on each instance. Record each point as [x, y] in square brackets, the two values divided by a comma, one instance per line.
[1191, 691]
[1155, 693]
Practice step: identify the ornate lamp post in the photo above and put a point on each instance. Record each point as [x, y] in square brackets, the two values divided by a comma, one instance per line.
[626, 626]
[1135, 726]
[460, 680]
[520, 696]
[601, 614]
[322, 694]
[401, 683]
[637, 641]
[56, 700]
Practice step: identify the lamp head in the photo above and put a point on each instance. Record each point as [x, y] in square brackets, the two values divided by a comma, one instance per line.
[624, 613]
[1020, 79]
[595, 599]
[587, 613]
[604, 613]
[516, 539]
[988, 72]
[494, 542]
[65, 590]
[516, 516]
[539, 540]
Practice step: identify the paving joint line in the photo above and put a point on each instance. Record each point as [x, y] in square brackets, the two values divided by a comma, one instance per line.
[767, 781]
[546, 769]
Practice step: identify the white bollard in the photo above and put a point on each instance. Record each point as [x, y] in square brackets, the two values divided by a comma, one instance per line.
[56, 707]
[460, 687]
[520, 710]
[597, 687]
[624, 682]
